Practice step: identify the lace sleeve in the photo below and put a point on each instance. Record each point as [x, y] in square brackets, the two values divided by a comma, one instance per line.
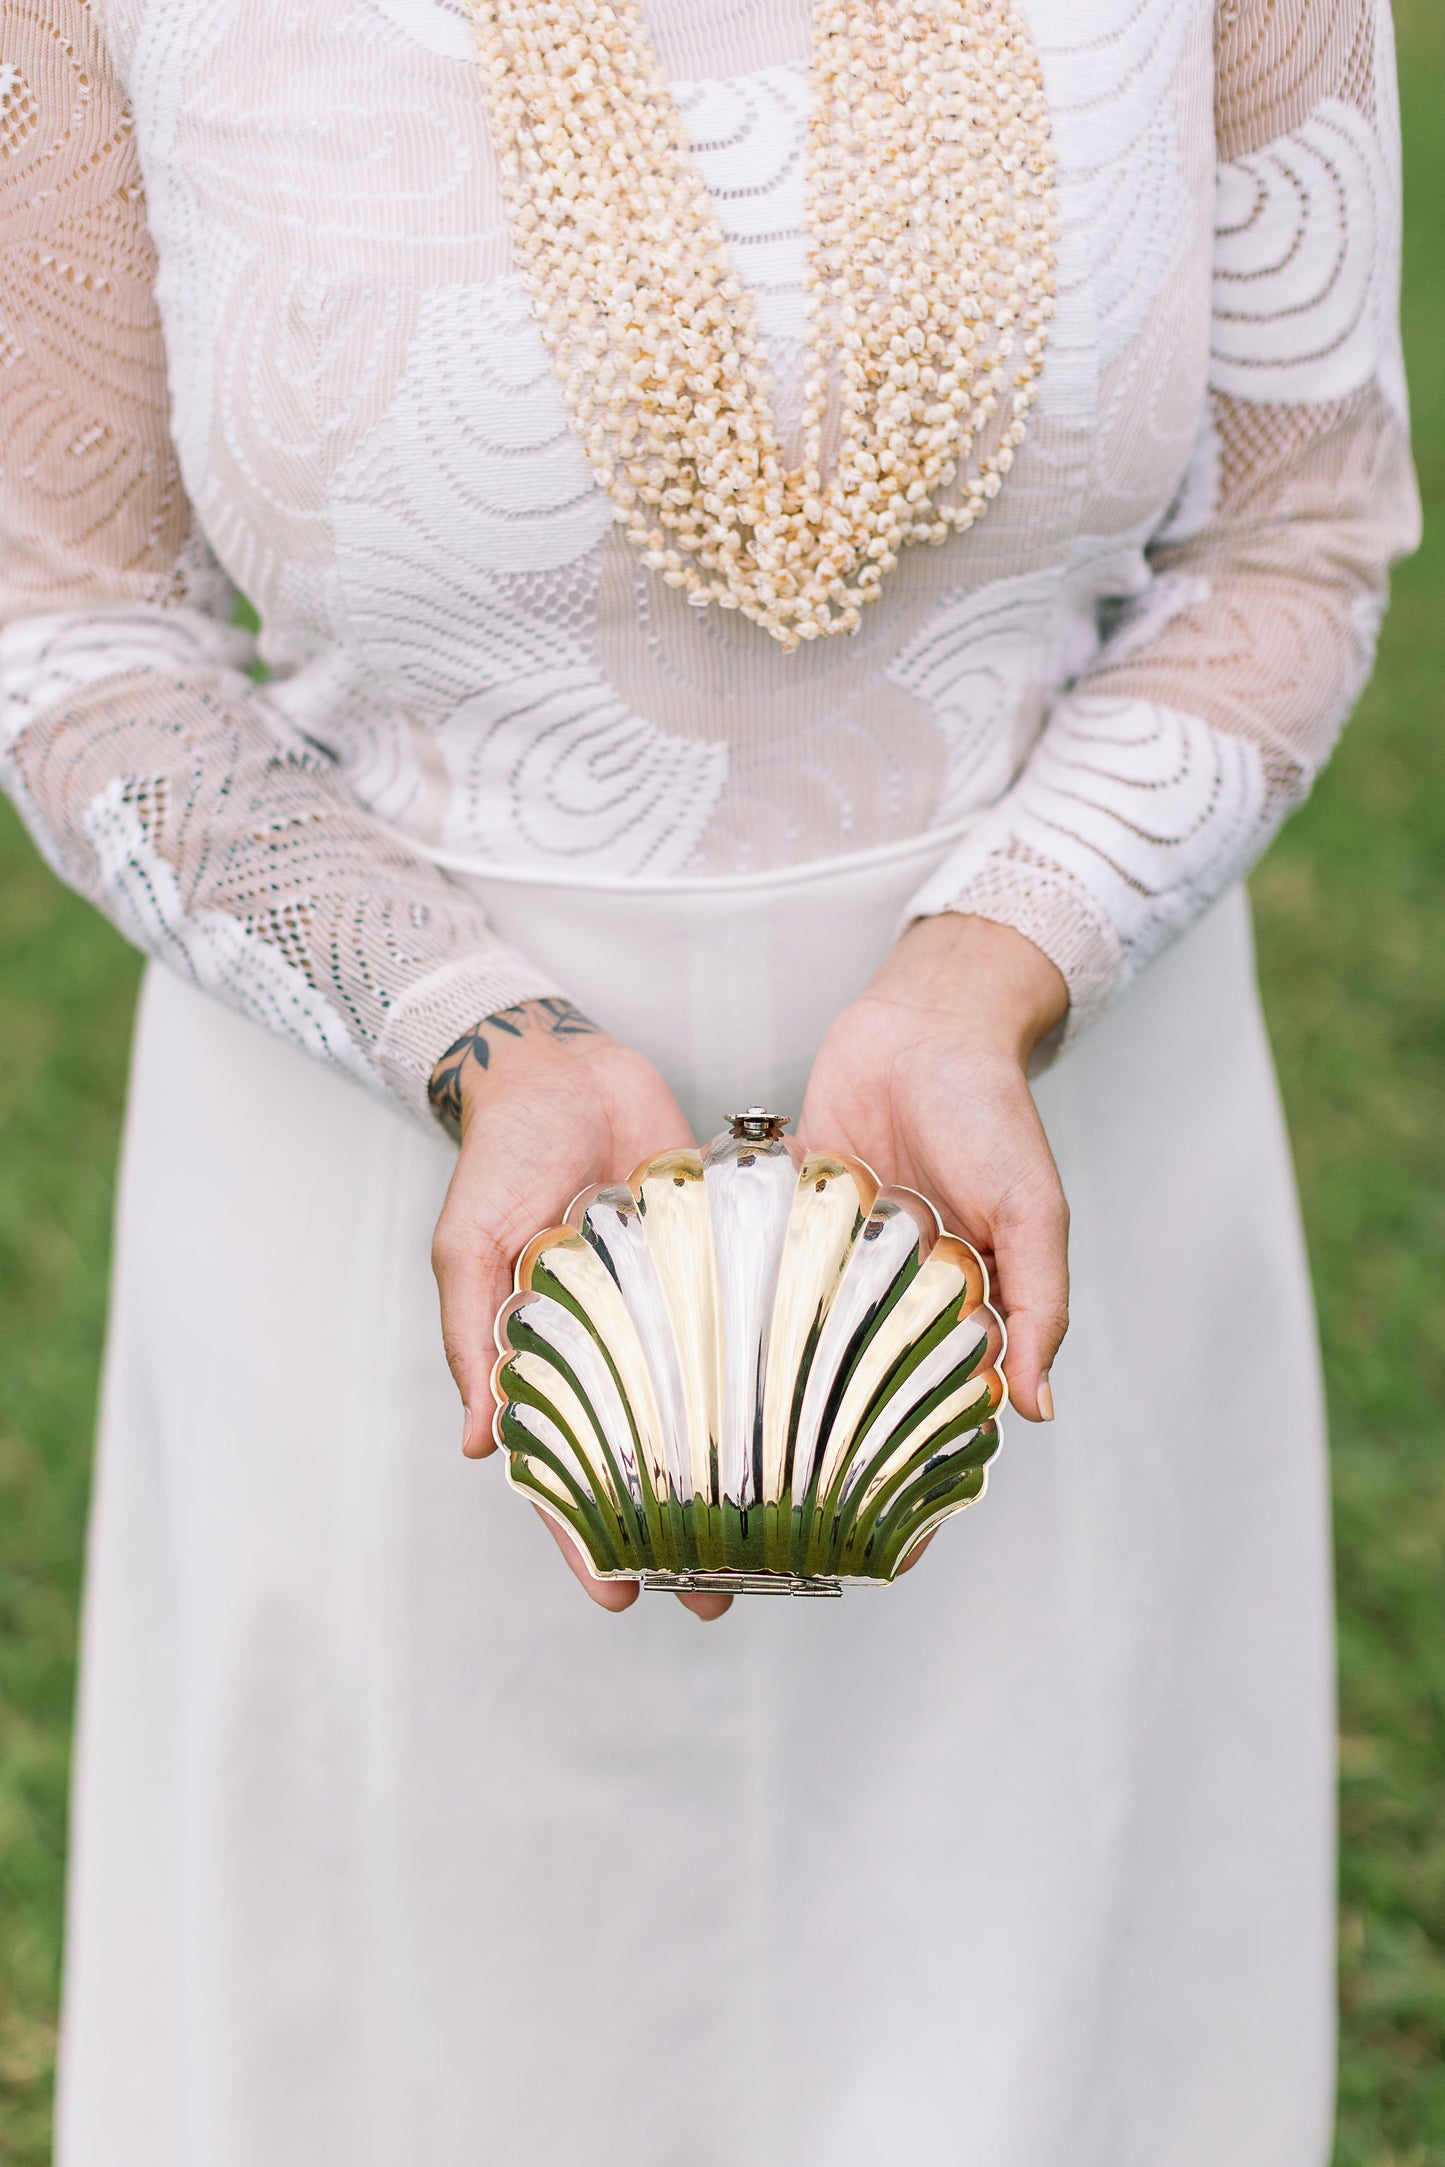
[154, 774]
[1161, 775]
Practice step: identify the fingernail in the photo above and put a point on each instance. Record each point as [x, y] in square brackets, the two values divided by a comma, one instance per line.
[467, 1430]
[1045, 1398]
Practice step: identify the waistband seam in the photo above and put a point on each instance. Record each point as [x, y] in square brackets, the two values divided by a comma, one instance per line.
[902, 852]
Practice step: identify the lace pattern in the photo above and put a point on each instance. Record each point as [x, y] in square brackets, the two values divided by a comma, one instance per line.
[165, 786]
[1163, 772]
[259, 325]
[158, 779]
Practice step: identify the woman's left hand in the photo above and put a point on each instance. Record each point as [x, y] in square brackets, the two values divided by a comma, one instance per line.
[926, 1077]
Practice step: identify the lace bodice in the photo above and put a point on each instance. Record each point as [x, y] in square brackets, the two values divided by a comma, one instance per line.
[261, 331]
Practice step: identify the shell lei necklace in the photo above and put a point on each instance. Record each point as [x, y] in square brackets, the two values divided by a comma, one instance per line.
[930, 221]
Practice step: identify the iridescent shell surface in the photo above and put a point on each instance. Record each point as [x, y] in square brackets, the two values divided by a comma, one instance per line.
[749, 1367]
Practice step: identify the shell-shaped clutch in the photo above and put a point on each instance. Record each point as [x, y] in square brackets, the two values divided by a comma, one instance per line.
[749, 1367]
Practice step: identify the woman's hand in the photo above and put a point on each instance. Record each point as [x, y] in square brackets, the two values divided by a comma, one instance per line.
[926, 1077]
[544, 1104]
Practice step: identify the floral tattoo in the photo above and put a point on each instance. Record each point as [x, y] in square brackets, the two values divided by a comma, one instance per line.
[552, 1015]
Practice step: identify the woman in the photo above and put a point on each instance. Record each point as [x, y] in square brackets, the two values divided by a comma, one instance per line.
[552, 471]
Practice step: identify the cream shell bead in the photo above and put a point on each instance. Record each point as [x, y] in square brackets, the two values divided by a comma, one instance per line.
[929, 182]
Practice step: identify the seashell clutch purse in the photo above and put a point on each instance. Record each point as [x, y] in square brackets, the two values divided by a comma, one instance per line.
[751, 1368]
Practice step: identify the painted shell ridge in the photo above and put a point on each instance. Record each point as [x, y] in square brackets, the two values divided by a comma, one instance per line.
[749, 1360]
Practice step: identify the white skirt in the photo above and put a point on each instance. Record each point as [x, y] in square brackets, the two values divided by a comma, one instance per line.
[391, 1850]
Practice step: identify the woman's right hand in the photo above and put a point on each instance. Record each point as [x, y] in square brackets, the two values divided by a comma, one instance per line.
[544, 1104]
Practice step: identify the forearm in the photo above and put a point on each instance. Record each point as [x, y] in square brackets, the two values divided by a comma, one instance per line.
[226, 847]
[1166, 767]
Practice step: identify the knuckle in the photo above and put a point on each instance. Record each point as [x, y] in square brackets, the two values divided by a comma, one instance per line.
[459, 1244]
[470, 1363]
[1042, 1205]
[453, 1337]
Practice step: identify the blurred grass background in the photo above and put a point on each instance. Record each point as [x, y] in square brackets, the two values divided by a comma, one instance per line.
[1351, 911]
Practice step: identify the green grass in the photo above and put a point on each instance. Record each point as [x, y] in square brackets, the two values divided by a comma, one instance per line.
[1350, 906]
[67, 986]
[1350, 903]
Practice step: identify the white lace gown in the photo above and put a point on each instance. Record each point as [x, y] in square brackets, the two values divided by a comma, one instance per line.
[388, 1848]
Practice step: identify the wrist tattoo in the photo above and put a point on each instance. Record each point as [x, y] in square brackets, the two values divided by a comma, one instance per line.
[552, 1016]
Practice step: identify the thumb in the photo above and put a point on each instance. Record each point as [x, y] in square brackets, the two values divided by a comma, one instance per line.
[473, 1284]
[1031, 1252]
[477, 1236]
